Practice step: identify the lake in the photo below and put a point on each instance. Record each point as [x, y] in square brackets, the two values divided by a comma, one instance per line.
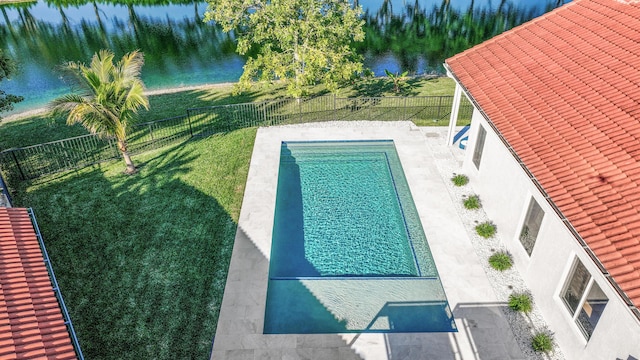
[181, 50]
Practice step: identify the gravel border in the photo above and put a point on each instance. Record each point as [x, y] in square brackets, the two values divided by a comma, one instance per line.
[506, 282]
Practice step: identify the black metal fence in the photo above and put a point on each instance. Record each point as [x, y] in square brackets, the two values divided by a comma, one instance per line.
[427, 110]
[34, 161]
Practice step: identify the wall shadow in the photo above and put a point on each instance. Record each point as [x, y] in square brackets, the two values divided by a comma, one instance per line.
[484, 335]
[298, 312]
[415, 316]
[488, 330]
[288, 246]
[141, 260]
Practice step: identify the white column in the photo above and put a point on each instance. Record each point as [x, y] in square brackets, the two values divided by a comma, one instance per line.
[455, 107]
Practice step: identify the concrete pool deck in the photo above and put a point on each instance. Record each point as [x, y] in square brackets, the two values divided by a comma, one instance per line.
[483, 332]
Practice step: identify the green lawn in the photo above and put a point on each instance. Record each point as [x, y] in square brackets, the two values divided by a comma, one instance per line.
[142, 260]
[39, 129]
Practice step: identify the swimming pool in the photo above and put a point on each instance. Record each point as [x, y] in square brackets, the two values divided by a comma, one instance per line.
[348, 250]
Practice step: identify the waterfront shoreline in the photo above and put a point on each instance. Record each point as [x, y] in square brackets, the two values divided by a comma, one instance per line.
[170, 90]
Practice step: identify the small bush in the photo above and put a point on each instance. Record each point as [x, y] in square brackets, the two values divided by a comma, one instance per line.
[501, 261]
[543, 341]
[472, 202]
[486, 229]
[460, 180]
[520, 302]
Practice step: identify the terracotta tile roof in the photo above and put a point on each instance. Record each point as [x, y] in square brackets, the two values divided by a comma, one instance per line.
[31, 322]
[564, 91]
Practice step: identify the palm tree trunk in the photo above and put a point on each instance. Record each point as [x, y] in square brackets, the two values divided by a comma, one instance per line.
[131, 168]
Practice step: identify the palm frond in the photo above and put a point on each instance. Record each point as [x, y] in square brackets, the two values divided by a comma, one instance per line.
[72, 75]
[113, 94]
[131, 65]
[64, 104]
[92, 80]
[90, 117]
[136, 98]
[102, 65]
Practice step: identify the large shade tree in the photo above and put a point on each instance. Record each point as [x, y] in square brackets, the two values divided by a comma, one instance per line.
[7, 67]
[109, 98]
[302, 42]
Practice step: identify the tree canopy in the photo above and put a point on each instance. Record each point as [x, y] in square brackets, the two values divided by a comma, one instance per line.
[111, 95]
[7, 67]
[302, 42]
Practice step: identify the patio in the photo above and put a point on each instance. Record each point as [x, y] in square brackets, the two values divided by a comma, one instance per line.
[483, 330]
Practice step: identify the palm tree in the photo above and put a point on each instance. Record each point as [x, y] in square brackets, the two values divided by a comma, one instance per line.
[110, 98]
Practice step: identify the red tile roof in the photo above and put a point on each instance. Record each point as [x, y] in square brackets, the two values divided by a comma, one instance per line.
[31, 322]
[564, 91]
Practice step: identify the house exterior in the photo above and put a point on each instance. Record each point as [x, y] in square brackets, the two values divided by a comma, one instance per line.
[33, 321]
[554, 153]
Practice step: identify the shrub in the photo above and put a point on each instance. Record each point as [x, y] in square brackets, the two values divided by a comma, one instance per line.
[460, 180]
[472, 202]
[486, 229]
[501, 261]
[543, 341]
[520, 302]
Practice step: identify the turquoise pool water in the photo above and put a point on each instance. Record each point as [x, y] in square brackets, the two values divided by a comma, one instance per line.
[348, 251]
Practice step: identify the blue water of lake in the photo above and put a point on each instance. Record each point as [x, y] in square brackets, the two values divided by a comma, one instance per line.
[182, 50]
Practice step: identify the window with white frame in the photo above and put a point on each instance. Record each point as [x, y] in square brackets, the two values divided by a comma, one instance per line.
[531, 226]
[584, 299]
[477, 152]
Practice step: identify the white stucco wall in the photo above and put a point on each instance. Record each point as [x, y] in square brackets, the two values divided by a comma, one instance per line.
[505, 191]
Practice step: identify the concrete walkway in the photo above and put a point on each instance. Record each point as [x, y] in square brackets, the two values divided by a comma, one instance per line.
[483, 333]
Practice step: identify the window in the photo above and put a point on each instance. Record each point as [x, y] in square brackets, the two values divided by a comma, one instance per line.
[531, 226]
[584, 299]
[477, 152]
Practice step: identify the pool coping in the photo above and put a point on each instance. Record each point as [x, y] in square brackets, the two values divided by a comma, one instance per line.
[483, 331]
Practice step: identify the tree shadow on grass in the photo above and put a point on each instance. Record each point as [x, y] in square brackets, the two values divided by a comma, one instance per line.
[212, 96]
[142, 260]
[36, 129]
[384, 87]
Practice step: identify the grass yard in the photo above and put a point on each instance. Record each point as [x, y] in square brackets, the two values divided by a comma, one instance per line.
[142, 260]
[39, 129]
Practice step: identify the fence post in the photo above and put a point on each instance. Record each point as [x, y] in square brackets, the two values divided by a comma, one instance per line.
[13, 153]
[404, 109]
[61, 159]
[67, 158]
[264, 114]
[151, 134]
[114, 145]
[189, 122]
[335, 109]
